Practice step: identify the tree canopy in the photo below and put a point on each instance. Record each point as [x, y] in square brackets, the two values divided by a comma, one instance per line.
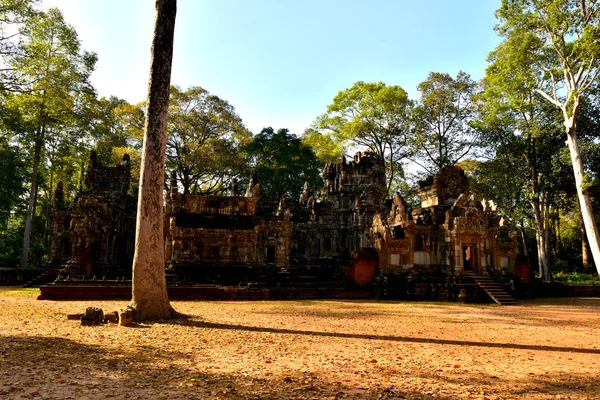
[283, 164]
[205, 136]
[554, 45]
[443, 118]
[374, 116]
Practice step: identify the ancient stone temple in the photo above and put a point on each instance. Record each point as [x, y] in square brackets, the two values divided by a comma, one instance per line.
[349, 234]
[223, 239]
[451, 232]
[237, 238]
[94, 235]
[449, 246]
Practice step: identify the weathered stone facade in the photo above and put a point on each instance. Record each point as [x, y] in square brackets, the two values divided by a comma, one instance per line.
[238, 238]
[450, 233]
[94, 236]
[349, 233]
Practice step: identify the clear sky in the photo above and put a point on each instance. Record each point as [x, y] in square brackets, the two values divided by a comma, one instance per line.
[281, 62]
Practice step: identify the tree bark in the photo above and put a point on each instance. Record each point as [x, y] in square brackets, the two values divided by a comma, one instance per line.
[585, 203]
[541, 239]
[149, 290]
[37, 154]
[524, 240]
[547, 269]
[537, 204]
[585, 251]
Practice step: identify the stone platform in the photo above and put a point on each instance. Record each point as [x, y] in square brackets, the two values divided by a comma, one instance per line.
[64, 291]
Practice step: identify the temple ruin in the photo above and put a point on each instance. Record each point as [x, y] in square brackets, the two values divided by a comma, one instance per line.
[349, 235]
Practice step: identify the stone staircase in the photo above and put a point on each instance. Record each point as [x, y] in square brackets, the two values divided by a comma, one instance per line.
[494, 289]
[43, 277]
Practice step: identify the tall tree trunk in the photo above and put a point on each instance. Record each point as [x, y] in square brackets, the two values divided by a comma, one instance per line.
[49, 211]
[559, 243]
[37, 154]
[585, 250]
[524, 240]
[538, 209]
[547, 269]
[540, 238]
[149, 292]
[585, 204]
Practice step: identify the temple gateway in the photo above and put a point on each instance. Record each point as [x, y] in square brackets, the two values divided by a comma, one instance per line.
[351, 235]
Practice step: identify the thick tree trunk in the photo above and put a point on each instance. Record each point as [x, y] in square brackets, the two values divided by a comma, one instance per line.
[37, 154]
[149, 293]
[585, 204]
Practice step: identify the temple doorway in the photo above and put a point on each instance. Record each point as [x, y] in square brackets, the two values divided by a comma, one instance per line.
[468, 257]
[270, 254]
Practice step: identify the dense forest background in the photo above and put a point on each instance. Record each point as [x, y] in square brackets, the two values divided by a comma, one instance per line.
[503, 131]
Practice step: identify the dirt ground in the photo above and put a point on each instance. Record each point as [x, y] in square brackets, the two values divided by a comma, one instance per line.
[540, 349]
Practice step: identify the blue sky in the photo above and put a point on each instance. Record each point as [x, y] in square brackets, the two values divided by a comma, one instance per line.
[280, 63]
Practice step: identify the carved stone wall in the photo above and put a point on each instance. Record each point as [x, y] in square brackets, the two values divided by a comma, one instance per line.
[450, 233]
[94, 236]
[233, 239]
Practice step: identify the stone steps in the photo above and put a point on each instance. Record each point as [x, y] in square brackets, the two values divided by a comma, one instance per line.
[42, 278]
[494, 289]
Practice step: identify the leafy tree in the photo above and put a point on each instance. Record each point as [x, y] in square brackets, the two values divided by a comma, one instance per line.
[513, 120]
[149, 293]
[116, 124]
[283, 164]
[327, 147]
[205, 136]
[13, 15]
[373, 116]
[11, 180]
[555, 47]
[117, 128]
[58, 72]
[443, 119]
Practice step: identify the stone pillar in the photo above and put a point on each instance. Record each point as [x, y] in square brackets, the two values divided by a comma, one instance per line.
[458, 256]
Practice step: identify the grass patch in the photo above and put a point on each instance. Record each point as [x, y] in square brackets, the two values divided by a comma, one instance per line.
[577, 278]
[19, 291]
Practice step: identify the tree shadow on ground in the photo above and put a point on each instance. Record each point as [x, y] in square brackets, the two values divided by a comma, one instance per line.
[536, 314]
[549, 384]
[52, 367]
[406, 339]
[63, 368]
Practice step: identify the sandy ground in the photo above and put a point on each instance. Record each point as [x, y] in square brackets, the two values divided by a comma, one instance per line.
[540, 349]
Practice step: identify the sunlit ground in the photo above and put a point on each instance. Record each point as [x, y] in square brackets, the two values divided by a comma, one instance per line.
[540, 349]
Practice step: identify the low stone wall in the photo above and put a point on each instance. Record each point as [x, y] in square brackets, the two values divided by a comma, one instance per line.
[208, 292]
[17, 276]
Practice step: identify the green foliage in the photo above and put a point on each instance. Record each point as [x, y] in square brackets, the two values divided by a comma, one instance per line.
[58, 71]
[11, 241]
[46, 117]
[554, 45]
[204, 142]
[283, 164]
[117, 128]
[577, 278]
[116, 124]
[503, 181]
[443, 117]
[372, 116]
[14, 14]
[326, 146]
[11, 180]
